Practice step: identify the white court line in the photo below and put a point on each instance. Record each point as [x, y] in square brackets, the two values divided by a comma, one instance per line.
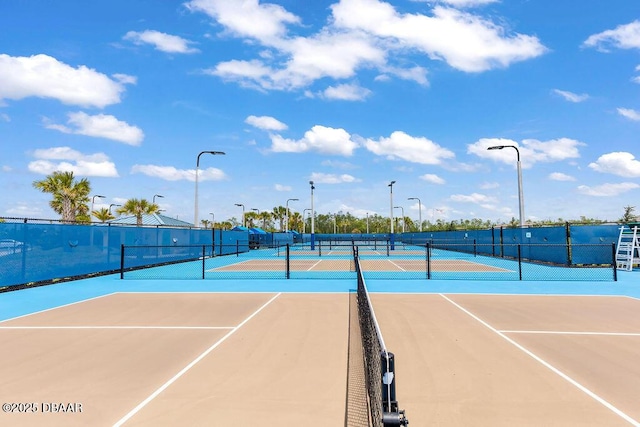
[116, 327]
[396, 265]
[227, 265]
[613, 334]
[551, 367]
[313, 266]
[191, 365]
[59, 306]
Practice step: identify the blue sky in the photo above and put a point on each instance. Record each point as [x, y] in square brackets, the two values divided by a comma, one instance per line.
[351, 94]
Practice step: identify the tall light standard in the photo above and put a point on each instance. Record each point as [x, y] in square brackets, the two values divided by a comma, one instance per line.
[419, 210]
[304, 224]
[157, 195]
[520, 195]
[334, 224]
[93, 199]
[391, 236]
[213, 219]
[313, 228]
[400, 207]
[240, 204]
[286, 224]
[367, 222]
[195, 215]
[111, 205]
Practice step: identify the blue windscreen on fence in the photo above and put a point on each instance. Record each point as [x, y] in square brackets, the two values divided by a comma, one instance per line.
[40, 252]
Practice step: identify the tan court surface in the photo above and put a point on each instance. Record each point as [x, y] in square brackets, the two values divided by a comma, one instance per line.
[348, 265]
[206, 359]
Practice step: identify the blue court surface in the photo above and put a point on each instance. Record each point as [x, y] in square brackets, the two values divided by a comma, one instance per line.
[31, 300]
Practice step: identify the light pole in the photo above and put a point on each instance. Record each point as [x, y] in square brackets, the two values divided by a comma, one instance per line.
[391, 236]
[93, 199]
[367, 222]
[304, 224]
[520, 195]
[419, 210]
[313, 229]
[400, 207]
[195, 215]
[157, 195]
[111, 205]
[286, 224]
[213, 220]
[240, 204]
[334, 225]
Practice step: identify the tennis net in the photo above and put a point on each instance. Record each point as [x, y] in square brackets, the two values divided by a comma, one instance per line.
[379, 362]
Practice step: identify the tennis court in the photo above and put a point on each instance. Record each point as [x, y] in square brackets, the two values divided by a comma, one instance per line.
[277, 352]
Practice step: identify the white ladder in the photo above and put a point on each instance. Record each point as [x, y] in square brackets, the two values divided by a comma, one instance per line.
[628, 249]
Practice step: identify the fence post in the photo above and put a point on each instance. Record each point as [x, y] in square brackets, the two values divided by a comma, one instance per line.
[204, 248]
[567, 232]
[428, 247]
[121, 262]
[520, 260]
[613, 262]
[237, 247]
[475, 248]
[288, 268]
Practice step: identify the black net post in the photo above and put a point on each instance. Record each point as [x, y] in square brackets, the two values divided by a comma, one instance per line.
[121, 262]
[428, 252]
[204, 251]
[520, 260]
[288, 266]
[613, 262]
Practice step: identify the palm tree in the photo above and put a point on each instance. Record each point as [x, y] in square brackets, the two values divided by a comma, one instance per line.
[295, 221]
[103, 215]
[70, 197]
[279, 213]
[265, 216]
[138, 208]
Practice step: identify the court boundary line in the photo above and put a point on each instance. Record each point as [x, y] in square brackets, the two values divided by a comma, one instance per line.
[184, 370]
[613, 334]
[59, 306]
[546, 364]
[117, 327]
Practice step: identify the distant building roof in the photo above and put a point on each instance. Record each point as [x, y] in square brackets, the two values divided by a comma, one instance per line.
[151, 219]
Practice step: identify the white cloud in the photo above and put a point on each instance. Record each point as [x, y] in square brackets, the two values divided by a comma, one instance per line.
[125, 78]
[346, 92]
[434, 179]
[466, 42]
[472, 198]
[280, 187]
[170, 173]
[399, 145]
[325, 178]
[247, 18]
[321, 139]
[45, 77]
[68, 160]
[625, 36]
[608, 190]
[489, 185]
[629, 114]
[359, 34]
[161, 41]
[100, 126]
[5, 117]
[571, 97]
[265, 123]
[559, 176]
[531, 150]
[467, 3]
[617, 163]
